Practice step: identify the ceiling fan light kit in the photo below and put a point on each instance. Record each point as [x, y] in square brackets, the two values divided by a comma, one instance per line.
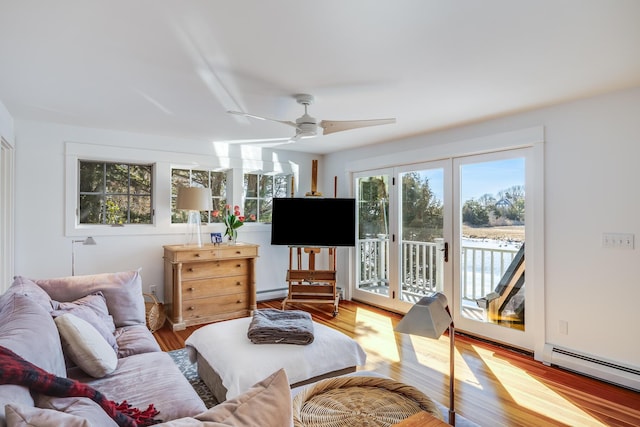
[307, 126]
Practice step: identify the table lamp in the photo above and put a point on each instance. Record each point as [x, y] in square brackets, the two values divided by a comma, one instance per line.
[88, 241]
[430, 317]
[194, 200]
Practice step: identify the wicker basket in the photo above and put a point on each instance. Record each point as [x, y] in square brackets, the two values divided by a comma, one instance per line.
[155, 313]
[359, 400]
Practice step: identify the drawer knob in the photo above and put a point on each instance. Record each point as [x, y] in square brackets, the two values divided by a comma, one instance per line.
[239, 301]
[191, 308]
[238, 265]
[190, 270]
[197, 255]
[238, 252]
[191, 289]
[238, 283]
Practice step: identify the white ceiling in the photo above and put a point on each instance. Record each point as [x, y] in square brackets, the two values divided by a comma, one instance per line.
[173, 67]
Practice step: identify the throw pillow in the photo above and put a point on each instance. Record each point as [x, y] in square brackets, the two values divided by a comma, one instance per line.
[29, 416]
[23, 286]
[85, 346]
[28, 329]
[266, 404]
[79, 406]
[93, 309]
[122, 290]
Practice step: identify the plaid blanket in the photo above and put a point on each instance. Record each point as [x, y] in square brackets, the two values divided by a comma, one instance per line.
[15, 370]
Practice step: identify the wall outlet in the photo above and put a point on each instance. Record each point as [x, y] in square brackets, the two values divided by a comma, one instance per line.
[152, 289]
[563, 327]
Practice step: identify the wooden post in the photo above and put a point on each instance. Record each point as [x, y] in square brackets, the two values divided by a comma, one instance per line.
[314, 180]
[293, 186]
[311, 252]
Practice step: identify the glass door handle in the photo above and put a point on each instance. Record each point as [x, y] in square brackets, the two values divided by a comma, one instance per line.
[446, 251]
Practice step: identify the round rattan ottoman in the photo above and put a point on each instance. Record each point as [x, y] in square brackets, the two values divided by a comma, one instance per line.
[359, 401]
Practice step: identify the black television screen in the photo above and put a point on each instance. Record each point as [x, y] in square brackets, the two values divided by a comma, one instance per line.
[313, 222]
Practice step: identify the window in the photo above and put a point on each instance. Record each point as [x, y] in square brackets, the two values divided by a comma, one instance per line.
[165, 171]
[259, 191]
[215, 180]
[115, 193]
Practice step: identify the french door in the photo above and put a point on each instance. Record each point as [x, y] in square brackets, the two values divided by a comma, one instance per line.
[455, 226]
[402, 227]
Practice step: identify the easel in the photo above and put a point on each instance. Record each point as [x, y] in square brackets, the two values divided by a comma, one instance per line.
[310, 285]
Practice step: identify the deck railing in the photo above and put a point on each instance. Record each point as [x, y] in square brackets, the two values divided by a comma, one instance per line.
[421, 267]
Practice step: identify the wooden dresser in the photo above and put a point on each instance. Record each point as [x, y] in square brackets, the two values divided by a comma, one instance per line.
[209, 283]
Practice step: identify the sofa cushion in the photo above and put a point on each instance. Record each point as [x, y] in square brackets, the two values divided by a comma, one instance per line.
[148, 378]
[23, 286]
[28, 330]
[123, 292]
[93, 309]
[85, 346]
[135, 339]
[82, 407]
[266, 404]
[29, 416]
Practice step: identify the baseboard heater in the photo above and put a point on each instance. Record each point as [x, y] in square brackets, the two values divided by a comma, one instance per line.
[612, 372]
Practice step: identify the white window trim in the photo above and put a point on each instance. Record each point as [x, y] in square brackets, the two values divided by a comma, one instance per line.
[163, 162]
[7, 197]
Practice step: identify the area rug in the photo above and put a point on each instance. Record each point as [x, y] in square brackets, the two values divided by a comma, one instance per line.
[190, 371]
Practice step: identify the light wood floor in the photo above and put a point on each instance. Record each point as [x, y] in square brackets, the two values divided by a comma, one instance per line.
[494, 386]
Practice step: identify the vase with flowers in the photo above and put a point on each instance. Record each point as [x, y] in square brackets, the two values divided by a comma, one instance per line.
[232, 220]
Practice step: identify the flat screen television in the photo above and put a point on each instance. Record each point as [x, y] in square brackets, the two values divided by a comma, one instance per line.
[313, 222]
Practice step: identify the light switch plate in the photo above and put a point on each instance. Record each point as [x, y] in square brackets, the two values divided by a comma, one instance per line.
[618, 240]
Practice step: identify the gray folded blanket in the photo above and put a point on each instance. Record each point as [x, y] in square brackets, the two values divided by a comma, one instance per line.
[271, 326]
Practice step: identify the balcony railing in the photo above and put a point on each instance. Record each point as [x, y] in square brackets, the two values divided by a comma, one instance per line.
[482, 267]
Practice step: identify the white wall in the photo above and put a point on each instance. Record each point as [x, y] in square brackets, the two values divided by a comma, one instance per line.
[592, 150]
[43, 250]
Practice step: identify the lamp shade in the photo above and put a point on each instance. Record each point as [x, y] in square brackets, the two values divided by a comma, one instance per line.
[194, 199]
[427, 318]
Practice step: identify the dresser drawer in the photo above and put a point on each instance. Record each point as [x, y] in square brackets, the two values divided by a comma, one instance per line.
[213, 306]
[209, 252]
[199, 270]
[214, 287]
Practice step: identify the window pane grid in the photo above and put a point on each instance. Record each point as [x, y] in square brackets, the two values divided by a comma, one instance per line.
[259, 191]
[215, 180]
[115, 193]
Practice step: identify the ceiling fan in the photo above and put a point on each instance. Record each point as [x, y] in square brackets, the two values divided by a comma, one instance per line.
[307, 126]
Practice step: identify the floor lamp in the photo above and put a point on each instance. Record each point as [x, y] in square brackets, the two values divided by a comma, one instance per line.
[430, 317]
[194, 200]
[88, 241]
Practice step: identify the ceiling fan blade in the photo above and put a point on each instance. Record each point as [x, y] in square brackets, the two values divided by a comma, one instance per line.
[259, 141]
[284, 122]
[332, 126]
